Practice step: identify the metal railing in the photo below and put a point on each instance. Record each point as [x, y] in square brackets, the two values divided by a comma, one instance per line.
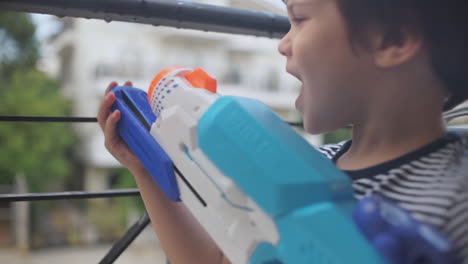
[172, 13]
[119, 247]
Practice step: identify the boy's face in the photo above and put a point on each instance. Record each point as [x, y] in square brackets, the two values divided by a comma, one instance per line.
[335, 80]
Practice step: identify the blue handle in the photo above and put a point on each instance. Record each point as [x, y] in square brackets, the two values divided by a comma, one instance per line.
[133, 127]
[398, 236]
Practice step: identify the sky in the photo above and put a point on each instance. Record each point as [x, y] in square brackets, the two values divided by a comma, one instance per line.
[45, 25]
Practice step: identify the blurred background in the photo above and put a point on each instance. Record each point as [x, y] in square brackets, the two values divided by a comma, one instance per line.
[52, 66]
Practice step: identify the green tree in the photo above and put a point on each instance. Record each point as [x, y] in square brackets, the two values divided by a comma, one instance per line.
[39, 151]
[338, 136]
[19, 47]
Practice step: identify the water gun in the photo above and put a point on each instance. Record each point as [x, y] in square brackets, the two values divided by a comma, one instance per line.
[259, 189]
[398, 236]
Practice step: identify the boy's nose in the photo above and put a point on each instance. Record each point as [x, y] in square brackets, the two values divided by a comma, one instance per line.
[284, 46]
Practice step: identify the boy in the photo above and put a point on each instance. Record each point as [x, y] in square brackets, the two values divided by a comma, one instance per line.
[388, 68]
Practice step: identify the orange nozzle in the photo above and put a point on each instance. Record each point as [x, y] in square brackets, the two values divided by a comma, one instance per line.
[201, 79]
[158, 78]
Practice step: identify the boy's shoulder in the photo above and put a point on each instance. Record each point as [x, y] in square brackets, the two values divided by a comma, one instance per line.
[431, 183]
[427, 181]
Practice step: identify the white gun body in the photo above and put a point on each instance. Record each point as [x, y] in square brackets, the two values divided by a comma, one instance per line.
[232, 219]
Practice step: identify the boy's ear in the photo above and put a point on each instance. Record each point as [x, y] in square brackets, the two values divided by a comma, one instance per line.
[390, 53]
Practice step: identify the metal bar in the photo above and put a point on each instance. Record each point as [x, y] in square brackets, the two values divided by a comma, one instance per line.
[119, 247]
[67, 195]
[71, 119]
[62, 119]
[173, 13]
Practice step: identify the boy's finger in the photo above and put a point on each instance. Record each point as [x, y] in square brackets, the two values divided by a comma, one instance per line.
[110, 128]
[104, 109]
[111, 85]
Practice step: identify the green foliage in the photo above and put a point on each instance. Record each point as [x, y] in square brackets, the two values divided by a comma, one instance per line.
[39, 151]
[19, 46]
[125, 180]
[338, 136]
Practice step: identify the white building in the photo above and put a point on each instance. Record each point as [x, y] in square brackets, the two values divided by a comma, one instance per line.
[92, 53]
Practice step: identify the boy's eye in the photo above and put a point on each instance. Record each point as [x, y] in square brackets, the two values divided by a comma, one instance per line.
[297, 20]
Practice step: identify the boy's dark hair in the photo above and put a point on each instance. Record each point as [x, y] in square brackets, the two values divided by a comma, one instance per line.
[442, 23]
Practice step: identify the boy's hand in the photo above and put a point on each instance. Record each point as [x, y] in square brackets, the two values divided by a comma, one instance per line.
[108, 122]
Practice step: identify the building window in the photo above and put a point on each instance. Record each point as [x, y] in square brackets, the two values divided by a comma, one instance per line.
[129, 65]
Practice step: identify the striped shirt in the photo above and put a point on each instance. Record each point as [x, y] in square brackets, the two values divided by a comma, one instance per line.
[431, 183]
